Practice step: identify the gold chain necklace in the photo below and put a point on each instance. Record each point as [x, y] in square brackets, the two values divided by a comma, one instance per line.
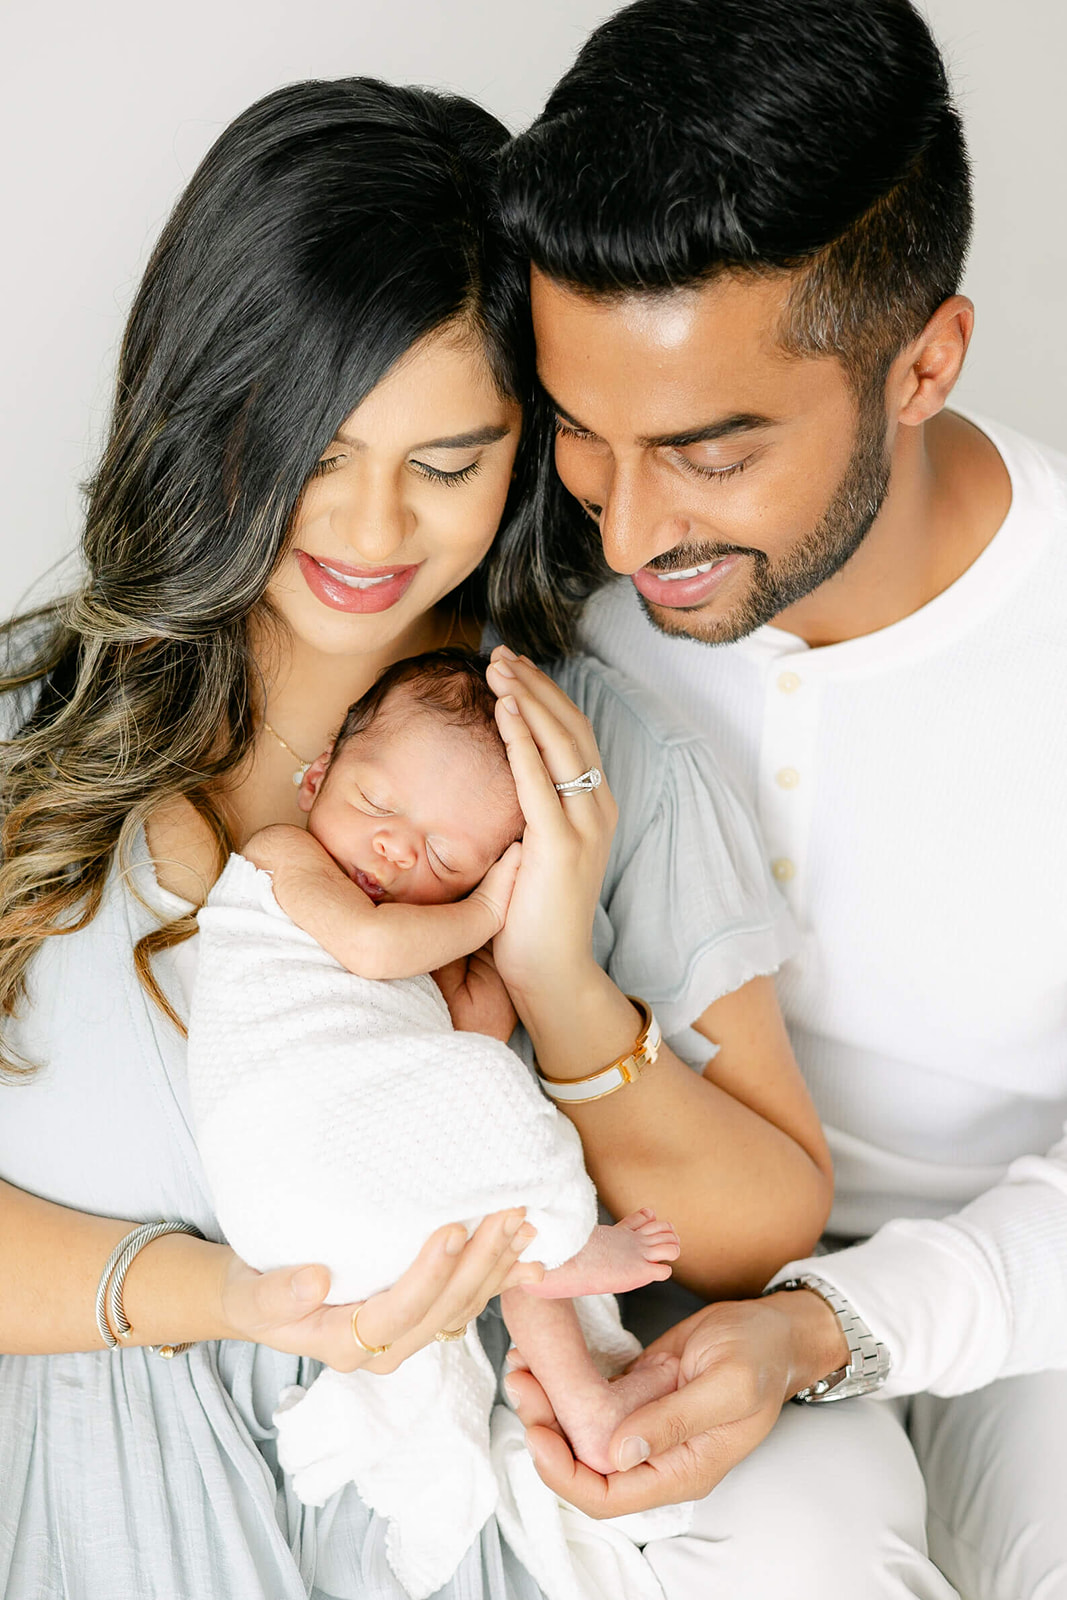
[298, 775]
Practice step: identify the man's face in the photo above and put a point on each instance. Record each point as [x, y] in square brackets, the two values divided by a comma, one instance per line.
[728, 477]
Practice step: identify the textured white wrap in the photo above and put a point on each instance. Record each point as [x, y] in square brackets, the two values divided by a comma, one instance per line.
[341, 1120]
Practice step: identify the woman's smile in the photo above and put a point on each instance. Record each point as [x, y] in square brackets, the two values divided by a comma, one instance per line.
[347, 588]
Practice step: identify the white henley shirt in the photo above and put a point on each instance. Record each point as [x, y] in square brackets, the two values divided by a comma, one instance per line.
[911, 786]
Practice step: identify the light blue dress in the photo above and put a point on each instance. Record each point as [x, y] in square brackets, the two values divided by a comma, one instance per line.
[123, 1475]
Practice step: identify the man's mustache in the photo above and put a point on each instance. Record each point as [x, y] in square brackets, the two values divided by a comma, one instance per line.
[698, 555]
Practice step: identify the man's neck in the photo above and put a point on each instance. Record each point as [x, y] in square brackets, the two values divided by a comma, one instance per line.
[949, 492]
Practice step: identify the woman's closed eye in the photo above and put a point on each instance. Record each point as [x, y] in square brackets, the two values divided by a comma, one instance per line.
[439, 475]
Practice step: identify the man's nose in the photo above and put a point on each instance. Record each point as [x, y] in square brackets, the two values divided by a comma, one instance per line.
[639, 520]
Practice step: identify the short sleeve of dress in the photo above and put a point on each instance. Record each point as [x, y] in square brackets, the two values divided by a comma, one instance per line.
[689, 911]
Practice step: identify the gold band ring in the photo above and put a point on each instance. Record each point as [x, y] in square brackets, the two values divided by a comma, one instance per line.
[368, 1349]
[446, 1335]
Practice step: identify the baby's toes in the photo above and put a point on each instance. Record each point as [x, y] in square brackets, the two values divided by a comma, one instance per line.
[637, 1220]
[666, 1249]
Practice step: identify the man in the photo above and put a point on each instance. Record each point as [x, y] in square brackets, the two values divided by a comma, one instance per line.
[747, 221]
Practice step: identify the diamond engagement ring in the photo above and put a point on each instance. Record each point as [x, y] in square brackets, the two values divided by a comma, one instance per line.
[585, 783]
[446, 1335]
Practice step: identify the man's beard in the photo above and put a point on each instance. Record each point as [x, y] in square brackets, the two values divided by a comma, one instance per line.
[822, 552]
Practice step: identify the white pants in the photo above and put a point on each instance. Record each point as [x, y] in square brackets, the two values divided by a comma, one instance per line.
[839, 1501]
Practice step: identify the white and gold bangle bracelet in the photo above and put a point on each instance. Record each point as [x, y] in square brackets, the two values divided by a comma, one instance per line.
[626, 1069]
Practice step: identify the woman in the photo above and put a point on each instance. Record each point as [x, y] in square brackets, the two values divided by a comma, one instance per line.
[316, 436]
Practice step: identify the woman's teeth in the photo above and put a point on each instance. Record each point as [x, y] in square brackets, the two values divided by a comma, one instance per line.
[688, 572]
[356, 583]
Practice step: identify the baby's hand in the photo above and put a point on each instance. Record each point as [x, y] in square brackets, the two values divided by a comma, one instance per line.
[494, 891]
[476, 998]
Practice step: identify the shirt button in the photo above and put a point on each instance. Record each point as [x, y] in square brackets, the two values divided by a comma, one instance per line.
[783, 869]
[788, 682]
[788, 778]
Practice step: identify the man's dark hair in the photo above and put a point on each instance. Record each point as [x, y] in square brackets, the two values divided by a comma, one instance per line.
[449, 682]
[697, 137]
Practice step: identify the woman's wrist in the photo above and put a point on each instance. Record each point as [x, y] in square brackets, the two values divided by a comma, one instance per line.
[578, 1026]
[174, 1291]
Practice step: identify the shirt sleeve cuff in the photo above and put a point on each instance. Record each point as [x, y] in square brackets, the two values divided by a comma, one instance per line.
[934, 1297]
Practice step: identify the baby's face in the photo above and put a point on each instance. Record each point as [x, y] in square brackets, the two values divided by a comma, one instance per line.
[413, 809]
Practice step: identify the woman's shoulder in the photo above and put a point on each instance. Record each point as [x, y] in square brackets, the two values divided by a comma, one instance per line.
[617, 705]
[183, 849]
[648, 751]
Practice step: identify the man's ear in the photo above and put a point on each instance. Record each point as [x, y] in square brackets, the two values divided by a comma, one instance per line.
[311, 782]
[924, 375]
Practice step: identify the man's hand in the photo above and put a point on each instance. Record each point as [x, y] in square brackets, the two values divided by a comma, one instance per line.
[739, 1361]
[476, 997]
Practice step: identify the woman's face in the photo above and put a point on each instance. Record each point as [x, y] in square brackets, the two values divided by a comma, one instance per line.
[403, 504]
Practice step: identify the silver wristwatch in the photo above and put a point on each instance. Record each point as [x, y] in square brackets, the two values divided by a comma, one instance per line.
[868, 1358]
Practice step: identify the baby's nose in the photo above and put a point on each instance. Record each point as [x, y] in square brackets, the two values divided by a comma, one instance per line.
[395, 848]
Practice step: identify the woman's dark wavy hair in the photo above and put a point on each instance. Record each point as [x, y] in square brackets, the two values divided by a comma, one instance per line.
[330, 227]
[693, 138]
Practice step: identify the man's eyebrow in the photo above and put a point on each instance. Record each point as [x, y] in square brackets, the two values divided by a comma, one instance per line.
[704, 433]
[455, 441]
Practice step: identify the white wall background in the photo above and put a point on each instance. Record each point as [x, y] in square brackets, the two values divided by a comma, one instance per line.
[106, 107]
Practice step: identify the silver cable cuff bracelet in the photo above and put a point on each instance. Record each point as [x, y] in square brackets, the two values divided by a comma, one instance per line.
[109, 1291]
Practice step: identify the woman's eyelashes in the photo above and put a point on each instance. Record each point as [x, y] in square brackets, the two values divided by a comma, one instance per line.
[423, 468]
[438, 475]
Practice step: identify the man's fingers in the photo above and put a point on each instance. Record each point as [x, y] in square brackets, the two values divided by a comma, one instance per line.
[529, 1399]
[663, 1425]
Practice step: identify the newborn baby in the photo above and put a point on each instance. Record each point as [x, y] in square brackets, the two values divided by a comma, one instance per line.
[340, 1116]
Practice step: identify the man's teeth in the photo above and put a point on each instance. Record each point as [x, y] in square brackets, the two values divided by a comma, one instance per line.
[688, 572]
[356, 583]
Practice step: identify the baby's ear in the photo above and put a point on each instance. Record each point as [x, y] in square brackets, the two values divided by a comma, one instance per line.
[311, 782]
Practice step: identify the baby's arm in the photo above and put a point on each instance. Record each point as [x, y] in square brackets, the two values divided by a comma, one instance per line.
[385, 941]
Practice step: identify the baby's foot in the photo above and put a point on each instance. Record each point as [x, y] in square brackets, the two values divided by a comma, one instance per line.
[590, 1416]
[636, 1250]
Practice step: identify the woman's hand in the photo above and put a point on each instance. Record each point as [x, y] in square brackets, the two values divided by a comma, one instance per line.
[739, 1361]
[546, 942]
[450, 1283]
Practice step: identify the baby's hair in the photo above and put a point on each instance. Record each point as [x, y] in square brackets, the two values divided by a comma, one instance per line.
[450, 682]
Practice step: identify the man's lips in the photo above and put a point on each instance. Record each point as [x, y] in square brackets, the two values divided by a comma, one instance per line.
[346, 588]
[688, 587]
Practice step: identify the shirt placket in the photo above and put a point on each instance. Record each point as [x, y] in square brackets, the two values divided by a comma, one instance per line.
[786, 784]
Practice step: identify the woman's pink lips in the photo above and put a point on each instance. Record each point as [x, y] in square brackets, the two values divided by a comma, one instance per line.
[337, 594]
[683, 593]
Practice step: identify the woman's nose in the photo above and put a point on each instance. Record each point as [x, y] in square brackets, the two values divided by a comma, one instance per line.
[372, 522]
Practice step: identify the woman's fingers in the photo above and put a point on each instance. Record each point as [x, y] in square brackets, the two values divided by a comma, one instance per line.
[537, 796]
[562, 733]
[386, 1317]
[539, 685]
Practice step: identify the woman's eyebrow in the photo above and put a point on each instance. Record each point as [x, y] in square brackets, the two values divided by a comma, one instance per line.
[455, 441]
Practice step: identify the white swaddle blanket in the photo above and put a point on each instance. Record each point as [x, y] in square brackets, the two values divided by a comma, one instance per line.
[341, 1120]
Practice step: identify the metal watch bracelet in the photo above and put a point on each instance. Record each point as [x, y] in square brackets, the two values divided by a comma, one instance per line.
[868, 1358]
